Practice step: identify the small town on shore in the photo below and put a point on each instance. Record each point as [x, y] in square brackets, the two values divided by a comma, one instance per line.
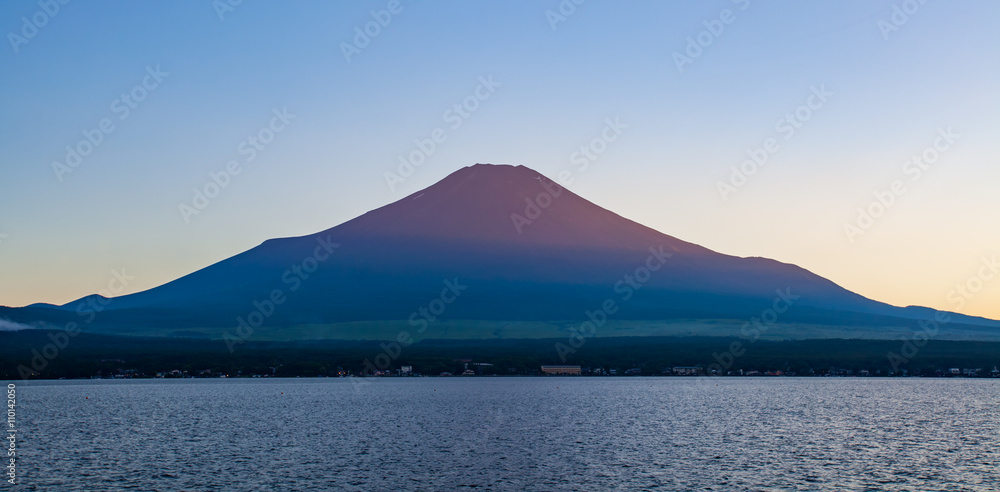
[488, 370]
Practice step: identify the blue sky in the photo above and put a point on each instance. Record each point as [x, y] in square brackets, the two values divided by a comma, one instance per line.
[893, 91]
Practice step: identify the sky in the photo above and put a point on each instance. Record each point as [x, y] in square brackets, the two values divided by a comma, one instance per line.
[115, 113]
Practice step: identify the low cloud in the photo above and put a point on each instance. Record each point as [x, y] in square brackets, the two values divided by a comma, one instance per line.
[7, 325]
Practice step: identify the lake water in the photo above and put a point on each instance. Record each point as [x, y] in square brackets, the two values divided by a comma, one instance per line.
[510, 434]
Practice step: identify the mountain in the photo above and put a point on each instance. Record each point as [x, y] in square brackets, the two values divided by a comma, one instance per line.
[490, 250]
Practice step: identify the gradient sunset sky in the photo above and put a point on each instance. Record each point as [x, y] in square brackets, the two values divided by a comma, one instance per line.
[892, 82]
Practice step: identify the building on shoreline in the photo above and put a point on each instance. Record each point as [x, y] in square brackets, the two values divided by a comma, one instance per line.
[688, 371]
[561, 370]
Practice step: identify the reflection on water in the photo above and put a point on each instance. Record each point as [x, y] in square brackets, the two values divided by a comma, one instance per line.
[511, 434]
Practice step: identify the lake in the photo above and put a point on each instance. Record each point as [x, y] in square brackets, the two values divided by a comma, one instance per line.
[557, 433]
